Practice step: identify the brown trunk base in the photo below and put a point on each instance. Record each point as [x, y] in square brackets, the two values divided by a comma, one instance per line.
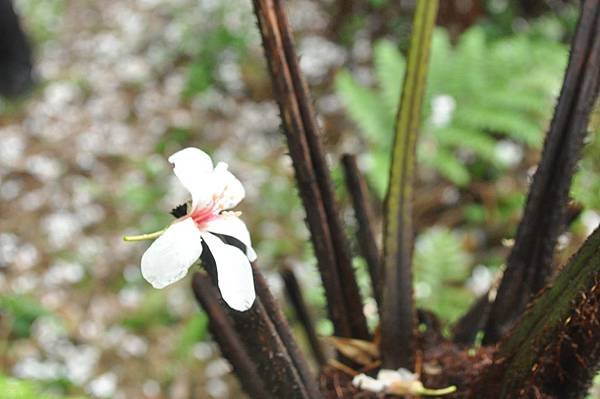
[444, 364]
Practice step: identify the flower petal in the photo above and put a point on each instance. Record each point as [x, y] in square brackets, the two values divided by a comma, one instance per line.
[367, 383]
[234, 273]
[228, 186]
[193, 167]
[229, 224]
[171, 255]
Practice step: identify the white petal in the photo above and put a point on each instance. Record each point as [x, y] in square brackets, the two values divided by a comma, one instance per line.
[367, 383]
[193, 167]
[231, 225]
[233, 272]
[171, 255]
[228, 185]
[387, 376]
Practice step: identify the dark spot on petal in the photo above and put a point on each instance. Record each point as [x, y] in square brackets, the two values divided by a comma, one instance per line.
[179, 211]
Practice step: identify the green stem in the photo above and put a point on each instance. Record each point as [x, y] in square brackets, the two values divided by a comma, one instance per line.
[143, 237]
[398, 341]
[437, 392]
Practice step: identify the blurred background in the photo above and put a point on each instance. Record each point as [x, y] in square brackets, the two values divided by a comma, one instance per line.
[111, 88]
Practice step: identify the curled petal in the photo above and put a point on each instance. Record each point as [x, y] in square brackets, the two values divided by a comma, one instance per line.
[230, 225]
[194, 168]
[234, 273]
[171, 255]
[226, 185]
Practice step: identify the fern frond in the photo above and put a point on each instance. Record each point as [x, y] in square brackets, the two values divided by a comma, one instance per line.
[389, 69]
[519, 129]
[365, 107]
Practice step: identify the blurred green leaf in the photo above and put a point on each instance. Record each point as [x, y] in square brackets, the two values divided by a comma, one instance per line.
[478, 91]
[12, 388]
[22, 311]
[194, 331]
[441, 265]
[154, 311]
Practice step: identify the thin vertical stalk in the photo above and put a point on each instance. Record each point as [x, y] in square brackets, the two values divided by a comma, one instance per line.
[343, 299]
[530, 262]
[294, 293]
[366, 237]
[398, 327]
[358, 322]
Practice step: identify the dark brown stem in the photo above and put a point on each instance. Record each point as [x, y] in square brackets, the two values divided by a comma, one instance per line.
[265, 347]
[475, 319]
[343, 300]
[530, 263]
[358, 322]
[294, 293]
[283, 329]
[221, 328]
[366, 237]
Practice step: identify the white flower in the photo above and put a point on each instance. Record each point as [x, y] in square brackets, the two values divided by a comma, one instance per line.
[385, 378]
[399, 382]
[214, 191]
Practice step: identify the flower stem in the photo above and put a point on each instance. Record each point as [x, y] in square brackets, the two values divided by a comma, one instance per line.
[437, 392]
[142, 237]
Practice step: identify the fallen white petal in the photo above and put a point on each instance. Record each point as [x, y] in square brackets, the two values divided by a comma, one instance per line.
[234, 273]
[231, 225]
[387, 376]
[194, 168]
[171, 255]
[367, 383]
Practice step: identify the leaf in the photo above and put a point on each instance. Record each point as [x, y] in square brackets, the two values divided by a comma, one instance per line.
[364, 106]
[389, 68]
[362, 352]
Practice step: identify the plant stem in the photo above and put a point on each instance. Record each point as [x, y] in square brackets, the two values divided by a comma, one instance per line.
[272, 28]
[221, 328]
[555, 346]
[283, 329]
[341, 246]
[530, 262]
[143, 237]
[366, 237]
[294, 293]
[398, 340]
[264, 346]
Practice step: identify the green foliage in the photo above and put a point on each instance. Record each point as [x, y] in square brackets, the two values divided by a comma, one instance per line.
[441, 264]
[21, 311]
[201, 72]
[586, 187]
[12, 388]
[41, 18]
[487, 88]
[193, 332]
[210, 44]
[153, 312]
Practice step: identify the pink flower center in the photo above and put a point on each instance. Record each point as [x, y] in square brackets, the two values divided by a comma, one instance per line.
[203, 215]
